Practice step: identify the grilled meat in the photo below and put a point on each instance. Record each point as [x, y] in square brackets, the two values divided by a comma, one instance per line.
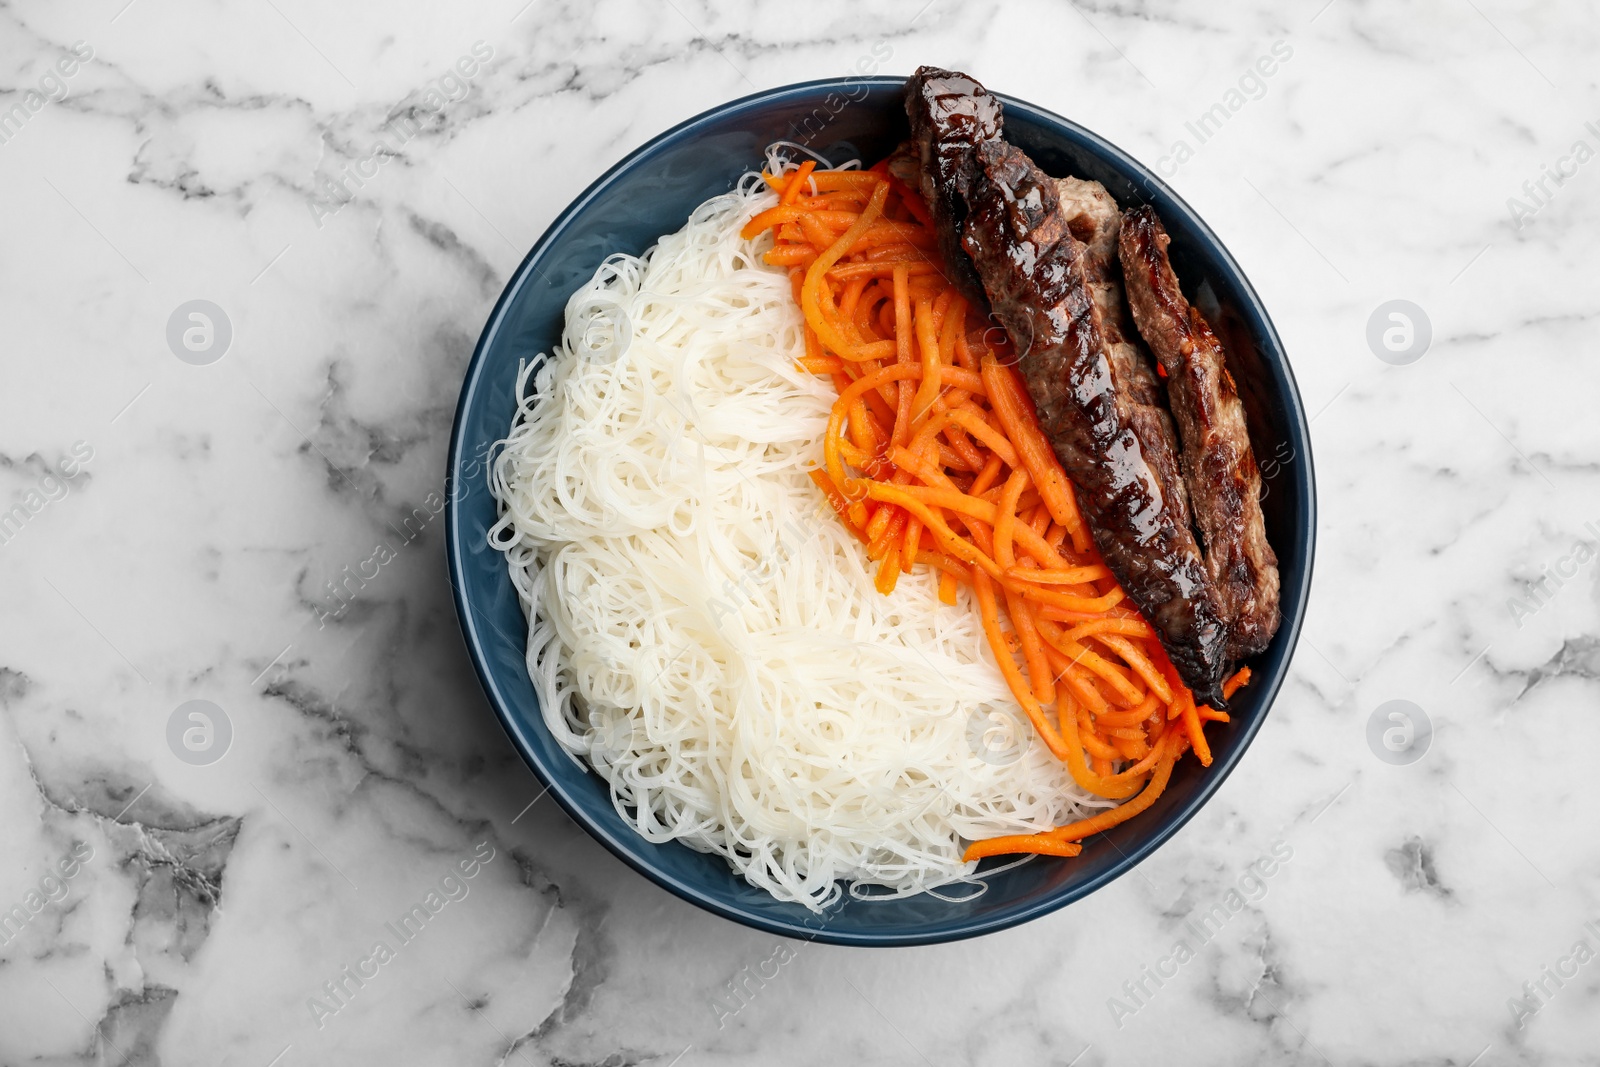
[1052, 257]
[1093, 217]
[1097, 400]
[950, 115]
[1218, 464]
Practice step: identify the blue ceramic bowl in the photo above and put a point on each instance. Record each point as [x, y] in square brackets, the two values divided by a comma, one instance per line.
[650, 193]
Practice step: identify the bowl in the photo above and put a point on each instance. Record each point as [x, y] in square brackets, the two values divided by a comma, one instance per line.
[650, 193]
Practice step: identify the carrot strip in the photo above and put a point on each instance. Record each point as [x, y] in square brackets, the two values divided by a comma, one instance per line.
[912, 200]
[881, 269]
[1039, 673]
[989, 612]
[1092, 662]
[1091, 741]
[815, 230]
[821, 364]
[811, 295]
[797, 182]
[1005, 521]
[830, 440]
[1007, 402]
[1129, 651]
[1075, 576]
[1112, 787]
[790, 256]
[951, 326]
[903, 355]
[987, 476]
[956, 546]
[887, 233]
[1130, 743]
[942, 492]
[909, 542]
[836, 500]
[888, 571]
[830, 181]
[1123, 812]
[1151, 705]
[994, 439]
[1071, 603]
[962, 445]
[1043, 844]
[1191, 723]
[887, 526]
[1075, 678]
[805, 216]
[927, 339]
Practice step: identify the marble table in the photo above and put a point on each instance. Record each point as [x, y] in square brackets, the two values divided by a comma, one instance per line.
[188, 485]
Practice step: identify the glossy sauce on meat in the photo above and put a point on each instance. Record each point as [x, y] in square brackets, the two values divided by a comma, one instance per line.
[1164, 471]
[950, 115]
[1218, 463]
[1098, 405]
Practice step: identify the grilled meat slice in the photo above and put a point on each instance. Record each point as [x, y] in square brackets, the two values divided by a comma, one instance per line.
[1097, 401]
[1094, 218]
[1218, 464]
[950, 115]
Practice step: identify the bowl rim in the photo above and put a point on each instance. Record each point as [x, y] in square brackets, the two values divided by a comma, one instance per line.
[472, 382]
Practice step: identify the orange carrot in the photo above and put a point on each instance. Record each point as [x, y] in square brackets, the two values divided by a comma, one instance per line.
[927, 339]
[1197, 736]
[903, 353]
[1043, 844]
[811, 295]
[1044, 686]
[1008, 667]
[1123, 812]
[1076, 576]
[798, 181]
[1012, 408]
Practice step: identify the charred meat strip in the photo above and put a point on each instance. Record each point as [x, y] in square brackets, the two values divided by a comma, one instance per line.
[1094, 218]
[1218, 465]
[1097, 401]
[950, 115]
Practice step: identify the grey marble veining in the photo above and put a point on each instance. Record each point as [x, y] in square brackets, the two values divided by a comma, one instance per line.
[351, 186]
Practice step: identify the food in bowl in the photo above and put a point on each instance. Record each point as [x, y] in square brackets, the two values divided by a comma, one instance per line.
[822, 490]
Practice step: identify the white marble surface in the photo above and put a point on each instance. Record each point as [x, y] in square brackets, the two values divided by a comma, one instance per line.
[187, 557]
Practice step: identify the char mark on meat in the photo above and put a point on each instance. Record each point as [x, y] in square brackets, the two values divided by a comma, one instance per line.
[950, 115]
[1097, 399]
[1094, 218]
[1219, 467]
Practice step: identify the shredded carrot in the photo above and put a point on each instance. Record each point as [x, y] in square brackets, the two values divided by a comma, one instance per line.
[933, 457]
[1191, 724]
[1074, 576]
[1168, 755]
[1011, 406]
[1043, 844]
[1044, 687]
[927, 338]
[798, 181]
[1005, 522]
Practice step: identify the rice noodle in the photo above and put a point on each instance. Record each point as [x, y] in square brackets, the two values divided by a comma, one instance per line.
[703, 632]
